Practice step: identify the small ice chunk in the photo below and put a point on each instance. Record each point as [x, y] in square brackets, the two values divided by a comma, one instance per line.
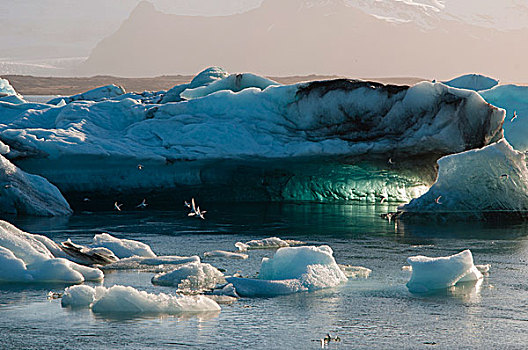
[225, 254]
[122, 248]
[429, 274]
[78, 296]
[191, 277]
[291, 270]
[483, 268]
[145, 263]
[127, 300]
[355, 271]
[226, 289]
[266, 243]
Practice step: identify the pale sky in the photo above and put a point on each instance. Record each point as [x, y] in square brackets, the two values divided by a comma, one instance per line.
[39, 34]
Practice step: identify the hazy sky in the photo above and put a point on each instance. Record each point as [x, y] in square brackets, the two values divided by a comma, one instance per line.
[35, 33]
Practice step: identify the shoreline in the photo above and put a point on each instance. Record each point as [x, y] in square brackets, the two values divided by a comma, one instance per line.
[36, 85]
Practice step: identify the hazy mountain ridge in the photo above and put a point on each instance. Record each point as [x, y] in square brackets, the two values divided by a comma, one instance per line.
[299, 38]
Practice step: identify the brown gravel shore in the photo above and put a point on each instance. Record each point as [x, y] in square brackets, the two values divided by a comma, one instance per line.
[32, 85]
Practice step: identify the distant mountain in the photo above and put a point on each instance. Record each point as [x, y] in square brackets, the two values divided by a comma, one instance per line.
[303, 37]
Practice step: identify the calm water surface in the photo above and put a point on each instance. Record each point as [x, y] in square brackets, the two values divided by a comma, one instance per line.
[377, 312]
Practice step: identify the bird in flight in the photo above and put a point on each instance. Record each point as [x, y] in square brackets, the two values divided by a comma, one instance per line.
[143, 204]
[117, 206]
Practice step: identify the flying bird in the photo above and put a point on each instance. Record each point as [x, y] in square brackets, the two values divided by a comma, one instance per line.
[117, 206]
[143, 204]
[514, 116]
[195, 211]
[437, 200]
[140, 167]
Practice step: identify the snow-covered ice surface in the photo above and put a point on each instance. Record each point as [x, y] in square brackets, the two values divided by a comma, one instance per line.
[493, 179]
[272, 143]
[25, 259]
[432, 274]
[291, 270]
[127, 300]
[476, 82]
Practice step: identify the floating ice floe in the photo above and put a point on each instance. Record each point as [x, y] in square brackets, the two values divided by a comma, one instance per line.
[476, 82]
[225, 254]
[355, 271]
[191, 277]
[321, 140]
[266, 243]
[291, 270]
[130, 301]
[430, 274]
[155, 264]
[122, 248]
[488, 181]
[25, 259]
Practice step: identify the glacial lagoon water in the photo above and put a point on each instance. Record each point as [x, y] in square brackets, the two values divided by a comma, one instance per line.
[378, 312]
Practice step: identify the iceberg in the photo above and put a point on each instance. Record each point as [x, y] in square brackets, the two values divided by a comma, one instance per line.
[6, 88]
[130, 301]
[321, 140]
[291, 270]
[266, 243]
[233, 82]
[514, 99]
[98, 94]
[25, 259]
[203, 78]
[23, 193]
[122, 248]
[475, 82]
[191, 277]
[430, 274]
[475, 184]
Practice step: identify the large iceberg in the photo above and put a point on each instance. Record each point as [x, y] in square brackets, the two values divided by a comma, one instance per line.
[430, 274]
[26, 259]
[323, 140]
[291, 270]
[23, 193]
[474, 184]
[130, 301]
